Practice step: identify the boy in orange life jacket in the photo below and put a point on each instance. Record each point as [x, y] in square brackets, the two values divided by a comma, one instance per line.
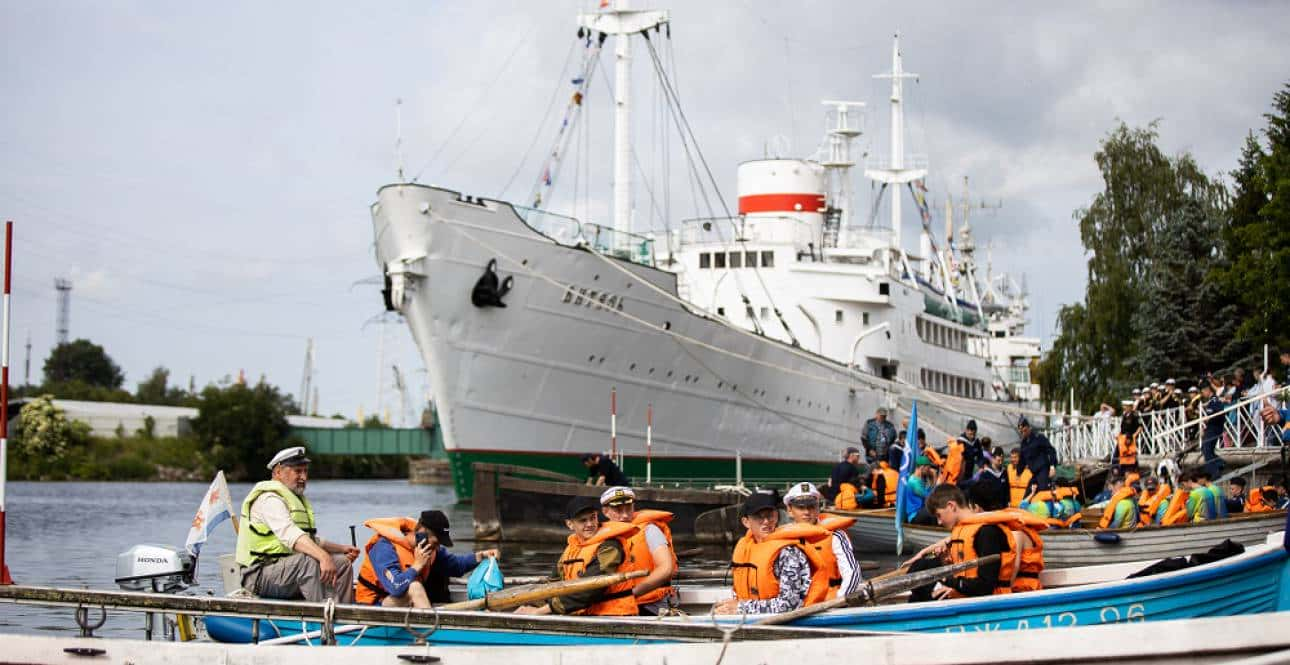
[803, 503]
[950, 507]
[789, 572]
[592, 550]
[652, 549]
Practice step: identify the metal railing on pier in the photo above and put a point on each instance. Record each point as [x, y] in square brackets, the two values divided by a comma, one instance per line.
[1167, 432]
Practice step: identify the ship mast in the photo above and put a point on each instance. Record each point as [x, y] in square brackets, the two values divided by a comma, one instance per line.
[617, 19]
[896, 174]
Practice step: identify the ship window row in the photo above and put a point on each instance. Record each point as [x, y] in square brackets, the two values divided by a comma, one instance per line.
[940, 335]
[839, 317]
[950, 384]
[722, 260]
[763, 313]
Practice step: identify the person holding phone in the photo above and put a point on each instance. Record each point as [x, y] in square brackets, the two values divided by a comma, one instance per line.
[408, 562]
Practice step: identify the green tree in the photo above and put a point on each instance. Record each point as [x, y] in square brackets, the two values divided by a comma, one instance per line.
[84, 361]
[1171, 339]
[1098, 351]
[241, 427]
[1257, 236]
[46, 434]
[152, 390]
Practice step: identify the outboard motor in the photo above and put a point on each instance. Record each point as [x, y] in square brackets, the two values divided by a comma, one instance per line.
[155, 568]
[489, 290]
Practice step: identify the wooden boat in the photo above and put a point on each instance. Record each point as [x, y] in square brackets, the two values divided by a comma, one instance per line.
[522, 504]
[1254, 582]
[1259, 638]
[875, 531]
[1250, 583]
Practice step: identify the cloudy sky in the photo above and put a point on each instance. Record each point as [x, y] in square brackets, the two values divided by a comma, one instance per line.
[201, 172]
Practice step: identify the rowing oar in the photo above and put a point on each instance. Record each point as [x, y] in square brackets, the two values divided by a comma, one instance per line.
[879, 588]
[508, 599]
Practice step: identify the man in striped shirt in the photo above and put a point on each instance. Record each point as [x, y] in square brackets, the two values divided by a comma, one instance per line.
[803, 503]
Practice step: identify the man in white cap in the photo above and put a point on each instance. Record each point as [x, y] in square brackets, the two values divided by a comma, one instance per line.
[651, 549]
[278, 549]
[803, 502]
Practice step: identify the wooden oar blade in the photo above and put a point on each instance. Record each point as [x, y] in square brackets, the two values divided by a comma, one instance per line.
[508, 599]
[888, 587]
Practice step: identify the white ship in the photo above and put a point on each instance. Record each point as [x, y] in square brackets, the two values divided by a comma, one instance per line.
[769, 336]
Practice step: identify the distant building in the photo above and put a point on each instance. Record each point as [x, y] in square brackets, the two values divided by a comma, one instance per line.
[105, 417]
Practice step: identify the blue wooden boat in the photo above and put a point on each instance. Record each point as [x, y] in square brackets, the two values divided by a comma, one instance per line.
[1256, 581]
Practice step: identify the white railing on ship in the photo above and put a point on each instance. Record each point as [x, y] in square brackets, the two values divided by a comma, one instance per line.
[1167, 432]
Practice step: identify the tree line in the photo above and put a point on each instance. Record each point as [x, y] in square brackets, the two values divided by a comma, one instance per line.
[238, 426]
[1185, 269]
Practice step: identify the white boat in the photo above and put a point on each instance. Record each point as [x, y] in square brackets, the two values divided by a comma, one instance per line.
[762, 340]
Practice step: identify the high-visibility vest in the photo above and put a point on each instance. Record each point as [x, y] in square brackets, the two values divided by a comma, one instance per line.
[256, 543]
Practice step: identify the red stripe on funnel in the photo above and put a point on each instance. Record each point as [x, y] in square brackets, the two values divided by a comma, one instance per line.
[780, 203]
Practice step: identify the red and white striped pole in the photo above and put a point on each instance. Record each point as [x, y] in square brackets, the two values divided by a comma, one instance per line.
[649, 443]
[613, 424]
[4, 395]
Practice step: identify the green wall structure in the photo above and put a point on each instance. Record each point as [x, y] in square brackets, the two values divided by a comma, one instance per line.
[417, 441]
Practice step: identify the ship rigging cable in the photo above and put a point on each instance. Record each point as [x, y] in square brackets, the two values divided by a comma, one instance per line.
[519, 43]
[683, 126]
[555, 93]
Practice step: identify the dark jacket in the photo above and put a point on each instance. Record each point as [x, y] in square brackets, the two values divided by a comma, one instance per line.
[877, 437]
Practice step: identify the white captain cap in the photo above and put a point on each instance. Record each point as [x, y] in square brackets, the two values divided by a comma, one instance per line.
[293, 456]
[800, 490]
[616, 496]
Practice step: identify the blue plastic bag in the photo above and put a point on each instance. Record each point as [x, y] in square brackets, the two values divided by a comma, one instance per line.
[486, 579]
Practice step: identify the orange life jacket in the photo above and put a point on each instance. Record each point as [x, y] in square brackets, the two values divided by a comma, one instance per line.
[820, 553]
[892, 480]
[368, 589]
[578, 554]
[1177, 511]
[963, 549]
[1128, 449]
[1150, 503]
[933, 456]
[1254, 503]
[1125, 493]
[1018, 483]
[953, 468]
[642, 555]
[1032, 558]
[753, 563]
[846, 499]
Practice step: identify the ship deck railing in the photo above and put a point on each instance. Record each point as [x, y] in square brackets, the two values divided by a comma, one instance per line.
[570, 232]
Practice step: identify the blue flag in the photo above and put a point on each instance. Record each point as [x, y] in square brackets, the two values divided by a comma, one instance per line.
[906, 468]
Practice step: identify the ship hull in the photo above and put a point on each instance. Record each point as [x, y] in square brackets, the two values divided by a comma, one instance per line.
[530, 383]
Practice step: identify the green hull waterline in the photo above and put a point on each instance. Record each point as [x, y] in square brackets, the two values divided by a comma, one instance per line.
[689, 472]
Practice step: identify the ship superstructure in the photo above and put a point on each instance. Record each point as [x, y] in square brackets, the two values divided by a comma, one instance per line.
[766, 337]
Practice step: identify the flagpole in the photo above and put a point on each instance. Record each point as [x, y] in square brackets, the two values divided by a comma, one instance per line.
[4, 397]
[906, 467]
